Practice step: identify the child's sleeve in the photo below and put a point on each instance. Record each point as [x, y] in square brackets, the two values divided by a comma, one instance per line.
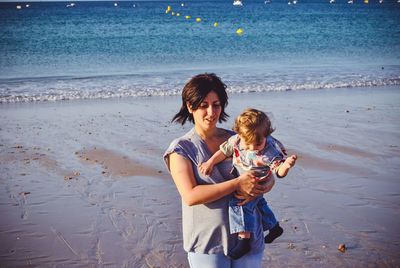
[275, 167]
[227, 147]
[280, 158]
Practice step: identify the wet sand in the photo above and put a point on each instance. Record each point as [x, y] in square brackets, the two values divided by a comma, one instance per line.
[82, 183]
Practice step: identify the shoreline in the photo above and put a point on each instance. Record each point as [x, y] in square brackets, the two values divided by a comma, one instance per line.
[344, 188]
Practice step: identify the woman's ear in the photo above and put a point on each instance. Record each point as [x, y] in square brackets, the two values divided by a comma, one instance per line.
[189, 107]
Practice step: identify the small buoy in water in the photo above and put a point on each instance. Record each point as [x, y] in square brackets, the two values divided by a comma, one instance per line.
[166, 11]
[27, 5]
[216, 24]
[18, 7]
[239, 31]
[183, 4]
[366, 1]
[173, 13]
[187, 17]
[116, 4]
[289, 3]
[177, 14]
[168, 8]
[198, 19]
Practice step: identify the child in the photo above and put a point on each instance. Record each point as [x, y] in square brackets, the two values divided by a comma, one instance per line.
[253, 150]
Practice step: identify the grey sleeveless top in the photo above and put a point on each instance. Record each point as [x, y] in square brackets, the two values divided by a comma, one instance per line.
[206, 226]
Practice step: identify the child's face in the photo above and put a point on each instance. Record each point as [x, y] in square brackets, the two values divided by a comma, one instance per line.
[253, 146]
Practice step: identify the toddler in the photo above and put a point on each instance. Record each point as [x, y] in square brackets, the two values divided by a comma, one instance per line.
[253, 150]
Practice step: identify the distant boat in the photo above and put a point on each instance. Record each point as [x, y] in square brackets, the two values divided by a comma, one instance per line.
[237, 3]
[267, 2]
[71, 5]
[350, 2]
[332, 1]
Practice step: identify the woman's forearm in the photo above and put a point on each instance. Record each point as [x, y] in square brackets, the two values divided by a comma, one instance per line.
[192, 193]
[203, 194]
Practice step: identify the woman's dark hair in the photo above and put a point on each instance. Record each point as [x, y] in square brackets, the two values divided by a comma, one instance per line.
[194, 93]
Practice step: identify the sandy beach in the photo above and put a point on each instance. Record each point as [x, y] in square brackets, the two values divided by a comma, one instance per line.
[83, 184]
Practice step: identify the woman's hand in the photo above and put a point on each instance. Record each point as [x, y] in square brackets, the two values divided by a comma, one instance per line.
[249, 188]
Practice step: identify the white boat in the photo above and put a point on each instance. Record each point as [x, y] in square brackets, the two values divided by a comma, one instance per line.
[350, 2]
[71, 5]
[332, 1]
[237, 3]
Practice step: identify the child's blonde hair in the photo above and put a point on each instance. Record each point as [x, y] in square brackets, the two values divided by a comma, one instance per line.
[253, 125]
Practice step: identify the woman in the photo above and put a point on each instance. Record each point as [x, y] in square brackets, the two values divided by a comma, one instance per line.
[205, 198]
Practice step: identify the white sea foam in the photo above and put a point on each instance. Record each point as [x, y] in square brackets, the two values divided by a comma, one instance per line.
[60, 89]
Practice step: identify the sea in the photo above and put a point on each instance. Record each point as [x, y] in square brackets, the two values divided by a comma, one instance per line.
[54, 51]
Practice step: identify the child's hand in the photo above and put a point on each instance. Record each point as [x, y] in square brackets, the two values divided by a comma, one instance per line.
[205, 168]
[290, 161]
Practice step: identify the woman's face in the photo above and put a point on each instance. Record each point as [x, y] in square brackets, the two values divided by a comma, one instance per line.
[207, 114]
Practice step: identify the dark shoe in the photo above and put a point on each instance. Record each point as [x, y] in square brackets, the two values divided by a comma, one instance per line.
[241, 248]
[274, 233]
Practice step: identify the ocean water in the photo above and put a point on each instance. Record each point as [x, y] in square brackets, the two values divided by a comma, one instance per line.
[49, 51]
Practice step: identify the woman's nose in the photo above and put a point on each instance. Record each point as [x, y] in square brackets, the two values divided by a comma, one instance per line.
[211, 110]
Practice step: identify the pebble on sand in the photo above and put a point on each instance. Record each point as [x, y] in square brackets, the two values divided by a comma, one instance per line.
[342, 248]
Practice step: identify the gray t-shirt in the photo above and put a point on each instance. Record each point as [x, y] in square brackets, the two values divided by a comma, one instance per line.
[206, 226]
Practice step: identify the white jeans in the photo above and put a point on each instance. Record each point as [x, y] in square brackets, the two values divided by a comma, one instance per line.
[199, 260]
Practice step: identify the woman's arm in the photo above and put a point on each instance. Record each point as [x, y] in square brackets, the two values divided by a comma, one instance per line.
[193, 194]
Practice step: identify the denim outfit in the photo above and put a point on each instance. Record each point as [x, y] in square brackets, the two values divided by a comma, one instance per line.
[262, 164]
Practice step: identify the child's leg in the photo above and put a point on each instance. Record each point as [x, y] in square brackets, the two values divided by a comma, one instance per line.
[241, 223]
[242, 246]
[244, 235]
[269, 222]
